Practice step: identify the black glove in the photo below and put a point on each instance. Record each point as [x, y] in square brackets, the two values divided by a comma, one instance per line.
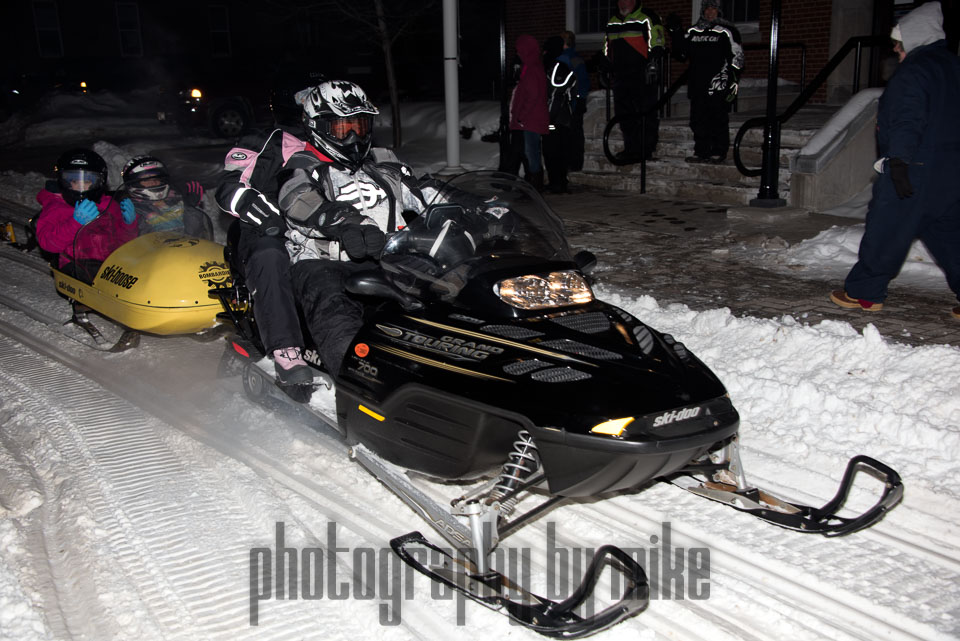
[733, 86]
[258, 210]
[360, 241]
[673, 23]
[652, 72]
[194, 195]
[900, 174]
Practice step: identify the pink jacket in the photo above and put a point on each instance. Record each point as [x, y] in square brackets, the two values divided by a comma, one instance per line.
[57, 230]
[528, 104]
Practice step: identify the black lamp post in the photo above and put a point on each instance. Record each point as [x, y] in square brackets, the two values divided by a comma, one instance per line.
[770, 176]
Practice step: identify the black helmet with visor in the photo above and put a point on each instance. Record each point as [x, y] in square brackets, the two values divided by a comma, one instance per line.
[81, 175]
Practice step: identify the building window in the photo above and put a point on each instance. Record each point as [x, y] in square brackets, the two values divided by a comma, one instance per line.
[741, 10]
[47, 23]
[592, 15]
[128, 25]
[219, 30]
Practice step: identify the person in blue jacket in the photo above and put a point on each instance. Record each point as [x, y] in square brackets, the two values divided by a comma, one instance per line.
[917, 194]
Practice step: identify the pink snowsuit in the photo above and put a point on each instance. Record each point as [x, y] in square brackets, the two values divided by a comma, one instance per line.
[57, 229]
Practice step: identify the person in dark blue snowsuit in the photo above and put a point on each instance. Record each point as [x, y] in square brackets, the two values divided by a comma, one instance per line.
[917, 194]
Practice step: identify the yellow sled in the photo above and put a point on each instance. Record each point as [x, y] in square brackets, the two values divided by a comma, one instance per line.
[156, 283]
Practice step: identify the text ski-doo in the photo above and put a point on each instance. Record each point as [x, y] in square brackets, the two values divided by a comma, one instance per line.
[485, 355]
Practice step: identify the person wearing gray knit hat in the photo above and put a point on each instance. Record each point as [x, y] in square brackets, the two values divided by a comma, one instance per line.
[713, 47]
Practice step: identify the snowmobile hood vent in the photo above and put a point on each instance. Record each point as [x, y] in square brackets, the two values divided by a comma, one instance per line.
[525, 367]
[589, 323]
[559, 375]
[511, 331]
[581, 349]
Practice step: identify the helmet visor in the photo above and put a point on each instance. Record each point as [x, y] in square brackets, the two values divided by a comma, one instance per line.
[340, 128]
[81, 180]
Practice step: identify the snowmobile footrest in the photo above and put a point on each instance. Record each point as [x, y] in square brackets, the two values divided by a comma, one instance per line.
[550, 618]
[804, 518]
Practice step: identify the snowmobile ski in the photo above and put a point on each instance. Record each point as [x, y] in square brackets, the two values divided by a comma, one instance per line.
[725, 483]
[550, 618]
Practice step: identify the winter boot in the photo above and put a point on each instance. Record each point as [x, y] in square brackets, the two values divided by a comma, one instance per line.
[290, 367]
[843, 299]
[536, 180]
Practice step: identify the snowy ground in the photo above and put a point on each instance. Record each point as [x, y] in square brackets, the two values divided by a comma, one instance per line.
[140, 493]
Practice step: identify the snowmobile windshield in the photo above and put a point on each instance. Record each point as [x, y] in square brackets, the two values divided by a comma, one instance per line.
[169, 212]
[474, 217]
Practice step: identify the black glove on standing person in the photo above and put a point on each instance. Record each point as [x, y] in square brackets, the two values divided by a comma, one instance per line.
[255, 208]
[900, 174]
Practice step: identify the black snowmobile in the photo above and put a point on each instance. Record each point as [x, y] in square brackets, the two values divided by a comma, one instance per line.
[485, 358]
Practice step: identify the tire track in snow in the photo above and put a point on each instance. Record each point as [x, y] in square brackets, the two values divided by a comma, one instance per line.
[175, 583]
[145, 467]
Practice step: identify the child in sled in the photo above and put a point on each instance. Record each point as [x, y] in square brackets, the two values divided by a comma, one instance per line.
[79, 220]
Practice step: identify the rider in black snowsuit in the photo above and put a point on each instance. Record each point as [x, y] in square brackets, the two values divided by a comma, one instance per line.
[331, 199]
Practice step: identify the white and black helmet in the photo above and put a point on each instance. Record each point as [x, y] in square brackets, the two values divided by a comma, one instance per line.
[339, 118]
[146, 178]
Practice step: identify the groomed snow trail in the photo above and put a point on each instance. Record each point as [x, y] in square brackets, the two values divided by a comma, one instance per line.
[137, 484]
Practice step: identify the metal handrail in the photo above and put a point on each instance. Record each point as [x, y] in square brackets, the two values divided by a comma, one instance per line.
[856, 43]
[802, 46]
[664, 102]
[641, 116]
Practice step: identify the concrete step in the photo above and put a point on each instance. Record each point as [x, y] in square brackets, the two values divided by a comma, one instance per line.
[680, 149]
[678, 169]
[750, 99]
[722, 193]
[672, 177]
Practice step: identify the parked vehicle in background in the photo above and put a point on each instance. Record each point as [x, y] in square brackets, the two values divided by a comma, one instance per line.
[226, 106]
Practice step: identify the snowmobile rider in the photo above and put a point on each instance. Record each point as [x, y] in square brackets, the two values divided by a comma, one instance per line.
[77, 201]
[310, 212]
[161, 206]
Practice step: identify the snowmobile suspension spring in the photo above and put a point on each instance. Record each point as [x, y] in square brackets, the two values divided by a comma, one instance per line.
[521, 463]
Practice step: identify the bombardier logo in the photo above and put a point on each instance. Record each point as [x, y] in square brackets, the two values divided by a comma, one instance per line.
[676, 415]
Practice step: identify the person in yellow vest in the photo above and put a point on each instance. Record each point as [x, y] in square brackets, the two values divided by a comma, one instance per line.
[634, 45]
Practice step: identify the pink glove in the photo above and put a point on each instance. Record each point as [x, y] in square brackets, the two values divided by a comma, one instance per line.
[194, 195]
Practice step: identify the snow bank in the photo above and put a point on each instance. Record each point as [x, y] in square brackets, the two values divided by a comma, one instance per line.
[826, 392]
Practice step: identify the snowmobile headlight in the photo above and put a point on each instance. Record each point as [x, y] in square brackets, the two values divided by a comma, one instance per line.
[536, 292]
[196, 93]
[612, 428]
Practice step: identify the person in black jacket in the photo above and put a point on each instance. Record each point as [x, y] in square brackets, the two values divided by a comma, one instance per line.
[313, 206]
[917, 194]
[713, 48]
[562, 105]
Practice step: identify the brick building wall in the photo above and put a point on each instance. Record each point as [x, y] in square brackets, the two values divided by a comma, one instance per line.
[538, 18]
[801, 21]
